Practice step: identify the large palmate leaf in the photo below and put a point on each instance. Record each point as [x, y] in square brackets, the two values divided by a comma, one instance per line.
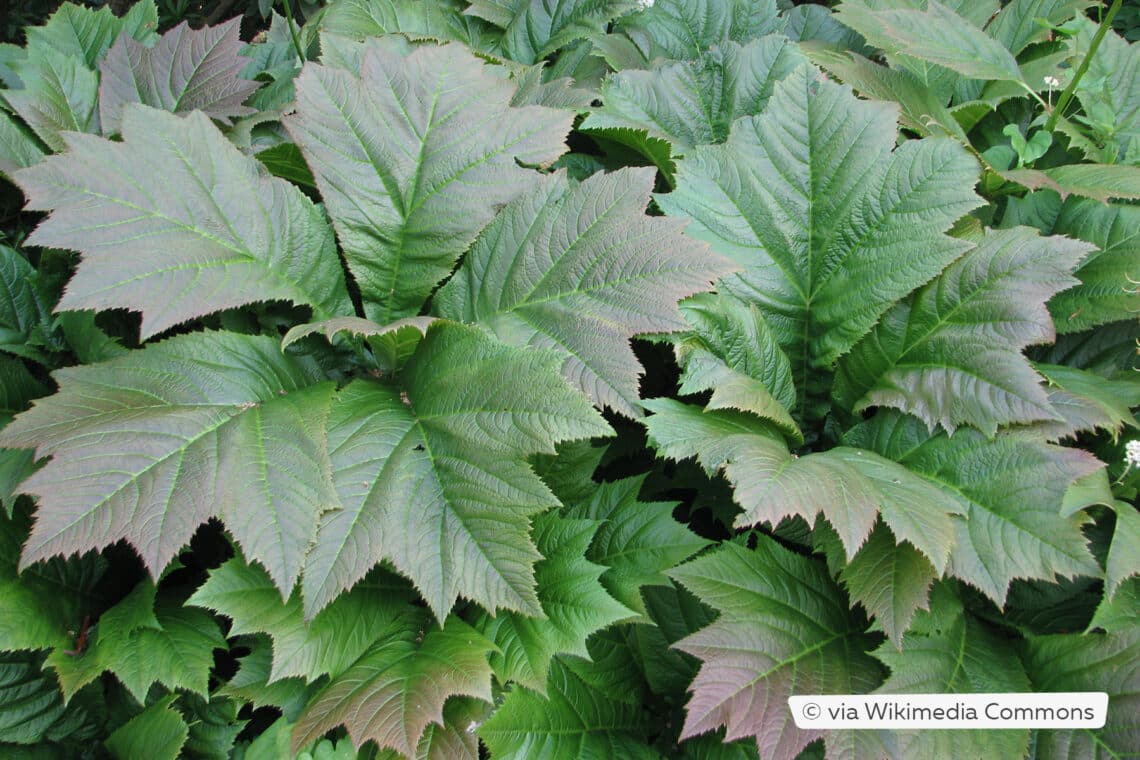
[694, 103]
[951, 354]
[187, 70]
[412, 157]
[327, 644]
[1090, 662]
[637, 542]
[848, 486]
[532, 29]
[1011, 488]
[573, 602]
[579, 717]
[440, 20]
[581, 269]
[832, 223]
[937, 35]
[684, 30]
[784, 628]
[227, 235]
[433, 477]
[950, 652]
[397, 689]
[149, 446]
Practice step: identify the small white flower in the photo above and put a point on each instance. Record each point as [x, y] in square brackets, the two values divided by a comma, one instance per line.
[1052, 82]
[1132, 454]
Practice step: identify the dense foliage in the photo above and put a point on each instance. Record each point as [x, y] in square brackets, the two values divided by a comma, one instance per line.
[571, 380]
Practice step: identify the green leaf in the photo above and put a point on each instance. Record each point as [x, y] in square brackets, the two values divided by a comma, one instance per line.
[1107, 292]
[1101, 182]
[325, 645]
[597, 272]
[1089, 662]
[174, 222]
[920, 108]
[391, 344]
[533, 29]
[950, 652]
[733, 353]
[188, 70]
[951, 354]
[18, 148]
[1118, 613]
[683, 30]
[784, 628]
[157, 732]
[1088, 401]
[694, 103]
[251, 682]
[31, 710]
[59, 95]
[439, 20]
[891, 580]
[75, 31]
[382, 146]
[25, 315]
[44, 606]
[575, 719]
[573, 602]
[812, 198]
[1123, 560]
[848, 486]
[398, 688]
[1011, 488]
[1019, 23]
[149, 446]
[1111, 86]
[637, 542]
[433, 477]
[937, 35]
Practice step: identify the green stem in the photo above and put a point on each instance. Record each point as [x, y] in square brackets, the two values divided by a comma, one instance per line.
[297, 39]
[1067, 95]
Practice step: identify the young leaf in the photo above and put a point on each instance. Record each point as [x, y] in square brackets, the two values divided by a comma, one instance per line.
[1111, 86]
[784, 628]
[573, 602]
[1088, 401]
[397, 689]
[440, 20]
[176, 223]
[848, 486]
[637, 541]
[1011, 488]
[1089, 662]
[951, 354]
[157, 732]
[683, 30]
[950, 652]
[581, 269]
[936, 34]
[533, 29]
[813, 199]
[327, 644]
[251, 682]
[434, 477]
[18, 148]
[1019, 23]
[574, 719]
[891, 579]
[694, 103]
[1123, 560]
[383, 147]
[149, 446]
[188, 70]
[25, 316]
